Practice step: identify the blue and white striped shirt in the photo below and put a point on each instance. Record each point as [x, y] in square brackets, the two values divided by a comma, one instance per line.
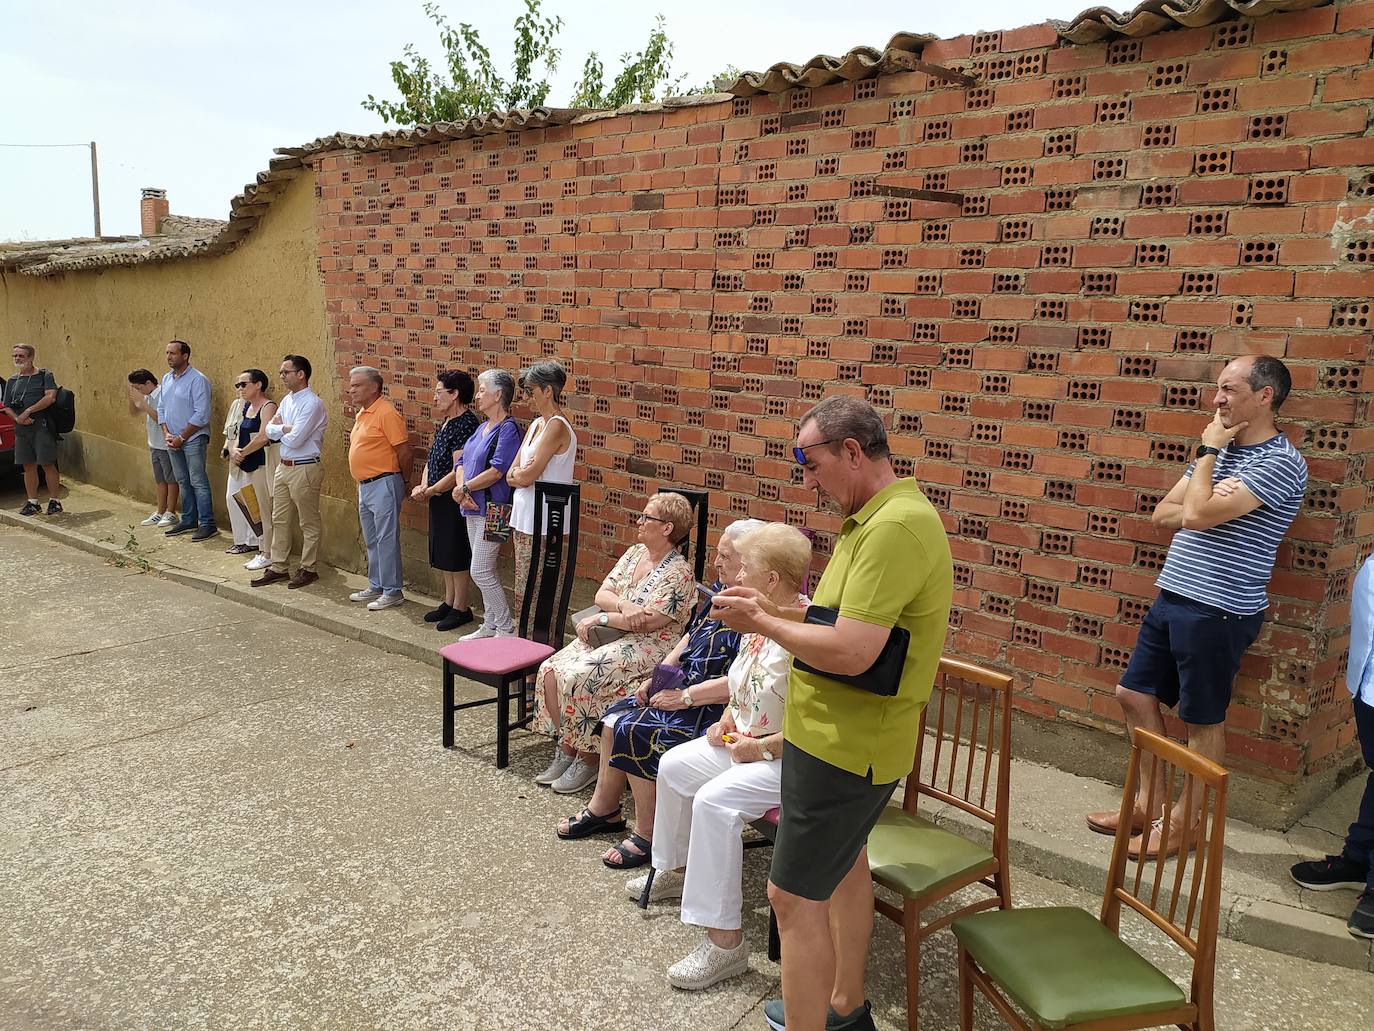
[1228, 566]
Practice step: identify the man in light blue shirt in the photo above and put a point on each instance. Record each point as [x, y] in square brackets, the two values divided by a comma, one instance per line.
[1354, 867]
[183, 412]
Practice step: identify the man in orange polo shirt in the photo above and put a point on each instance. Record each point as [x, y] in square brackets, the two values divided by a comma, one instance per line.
[379, 459]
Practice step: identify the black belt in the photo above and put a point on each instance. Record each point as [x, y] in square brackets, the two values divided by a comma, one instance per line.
[374, 479]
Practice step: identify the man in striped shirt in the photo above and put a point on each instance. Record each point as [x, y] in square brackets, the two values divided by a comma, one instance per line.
[1229, 512]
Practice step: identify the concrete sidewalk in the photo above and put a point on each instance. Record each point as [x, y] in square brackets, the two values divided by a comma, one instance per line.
[1262, 905]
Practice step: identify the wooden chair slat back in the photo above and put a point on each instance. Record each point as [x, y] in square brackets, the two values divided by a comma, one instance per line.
[968, 721]
[553, 563]
[1183, 903]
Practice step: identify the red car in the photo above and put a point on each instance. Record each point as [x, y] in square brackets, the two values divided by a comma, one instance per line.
[6, 442]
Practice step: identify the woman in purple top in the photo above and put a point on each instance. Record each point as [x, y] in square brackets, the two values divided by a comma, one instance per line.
[487, 455]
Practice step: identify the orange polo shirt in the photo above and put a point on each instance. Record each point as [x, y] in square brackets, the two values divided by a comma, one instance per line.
[377, 431]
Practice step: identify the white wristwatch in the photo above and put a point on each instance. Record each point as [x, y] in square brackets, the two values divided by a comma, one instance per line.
[687, 698]
[768, 756]
[603, 619]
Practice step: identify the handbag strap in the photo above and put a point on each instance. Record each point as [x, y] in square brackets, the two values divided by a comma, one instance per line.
[491, 448]
[652, 578]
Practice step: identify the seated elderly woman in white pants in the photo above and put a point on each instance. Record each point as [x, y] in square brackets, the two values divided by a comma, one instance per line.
[711, 788]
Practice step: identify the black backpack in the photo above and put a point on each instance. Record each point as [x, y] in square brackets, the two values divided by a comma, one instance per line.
[63, 412]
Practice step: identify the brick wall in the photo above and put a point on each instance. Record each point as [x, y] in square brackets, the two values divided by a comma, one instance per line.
[1132, 215]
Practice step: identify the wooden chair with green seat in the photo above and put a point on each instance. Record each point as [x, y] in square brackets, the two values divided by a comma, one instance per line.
[1064, 969]
[968, 722]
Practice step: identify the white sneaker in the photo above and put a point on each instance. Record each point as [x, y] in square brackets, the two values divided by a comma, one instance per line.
[481, 632]
[708, 964]
[386, 601]
[170, 519]
[667, 885]
[576, 777]
[366, 594]
[559, 766]
[258, 562]
[152, 520]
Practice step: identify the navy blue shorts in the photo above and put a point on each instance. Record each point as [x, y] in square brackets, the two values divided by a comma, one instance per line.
[1187, 655]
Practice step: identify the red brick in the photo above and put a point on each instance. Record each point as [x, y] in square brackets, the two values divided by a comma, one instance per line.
[1341, 52]
[1295, 25]
[1354, 85]
[1275, 94]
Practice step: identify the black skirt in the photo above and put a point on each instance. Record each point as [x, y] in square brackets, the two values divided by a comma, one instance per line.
[448, 536]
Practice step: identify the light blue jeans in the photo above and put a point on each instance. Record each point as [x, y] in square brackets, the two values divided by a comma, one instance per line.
[379, 511]
[188, 466]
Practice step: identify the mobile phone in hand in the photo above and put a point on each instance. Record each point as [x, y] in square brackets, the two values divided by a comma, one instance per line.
[706, 592]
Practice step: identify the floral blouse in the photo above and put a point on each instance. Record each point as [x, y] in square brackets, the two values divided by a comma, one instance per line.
[451, 437]
[758, 684]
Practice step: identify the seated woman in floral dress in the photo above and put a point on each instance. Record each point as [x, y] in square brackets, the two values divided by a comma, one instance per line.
[649, 595]
[636, 731]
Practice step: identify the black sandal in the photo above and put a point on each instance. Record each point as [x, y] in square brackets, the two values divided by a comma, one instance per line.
[587, 823]
[631, 860]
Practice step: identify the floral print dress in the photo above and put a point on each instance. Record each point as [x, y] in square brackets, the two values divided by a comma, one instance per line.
[591, 679]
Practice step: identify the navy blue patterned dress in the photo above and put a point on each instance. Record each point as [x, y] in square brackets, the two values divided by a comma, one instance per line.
[642, 733]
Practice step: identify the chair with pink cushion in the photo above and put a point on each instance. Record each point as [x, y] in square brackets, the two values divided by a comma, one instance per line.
[505, 663]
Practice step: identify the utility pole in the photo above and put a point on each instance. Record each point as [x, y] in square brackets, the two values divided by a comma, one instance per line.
[95, 190]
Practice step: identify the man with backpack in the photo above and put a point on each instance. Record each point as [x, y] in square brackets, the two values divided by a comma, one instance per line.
[29, 395]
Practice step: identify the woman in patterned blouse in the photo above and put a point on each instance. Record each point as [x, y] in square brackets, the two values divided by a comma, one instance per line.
[710, 788]
[449, 551]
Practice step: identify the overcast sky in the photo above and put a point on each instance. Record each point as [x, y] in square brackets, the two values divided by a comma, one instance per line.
[192, 96]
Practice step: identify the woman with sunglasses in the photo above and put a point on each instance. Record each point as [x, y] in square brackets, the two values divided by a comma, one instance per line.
[648, 596]
[252, 462]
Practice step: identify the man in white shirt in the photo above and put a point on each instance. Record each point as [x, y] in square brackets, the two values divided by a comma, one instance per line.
[299, 426]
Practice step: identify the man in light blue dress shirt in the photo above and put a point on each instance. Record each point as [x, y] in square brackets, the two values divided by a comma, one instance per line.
[1354, 867]
[183, 412]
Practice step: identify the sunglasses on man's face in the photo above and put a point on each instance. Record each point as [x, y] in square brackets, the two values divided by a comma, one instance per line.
[799, 453]
[240, 386]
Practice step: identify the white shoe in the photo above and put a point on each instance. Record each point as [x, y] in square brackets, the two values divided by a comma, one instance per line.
[576, 777]
[481, 632]
[170, 519]
[257, 562]
[366, 594]
[152, 520]
[559, 766]
[708, 964]
[667, 885]
[386, 601]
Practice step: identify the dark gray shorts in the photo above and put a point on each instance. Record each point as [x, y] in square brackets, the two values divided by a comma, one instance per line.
[35, 444]
[162, 466]
[825, 818]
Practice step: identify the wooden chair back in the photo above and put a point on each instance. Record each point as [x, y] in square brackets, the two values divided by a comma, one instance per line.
[1181, 895]
[553, 562]
[966, 731]
[693, 548]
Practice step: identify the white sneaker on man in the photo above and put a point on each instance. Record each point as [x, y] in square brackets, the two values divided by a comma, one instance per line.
[170, 519]
[667, 885]
[386, 601]
[707, 965]
[366, 594]
[258, 562]
[152, 520]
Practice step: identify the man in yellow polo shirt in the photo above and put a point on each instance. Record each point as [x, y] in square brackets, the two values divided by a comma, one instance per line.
[379, 459]
[844, 748]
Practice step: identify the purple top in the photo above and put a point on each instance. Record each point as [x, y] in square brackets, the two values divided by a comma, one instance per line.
[475, 453]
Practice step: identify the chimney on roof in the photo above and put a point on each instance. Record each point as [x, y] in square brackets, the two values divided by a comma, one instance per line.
[152, 209]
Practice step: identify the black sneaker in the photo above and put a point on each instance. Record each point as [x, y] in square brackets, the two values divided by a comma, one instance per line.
[1330, 873]
[180, 528]
[204, 533]
[434, 615]
[30, 508]
[1361, 922]
[454, 619]
[860, 1020]
[54, 507]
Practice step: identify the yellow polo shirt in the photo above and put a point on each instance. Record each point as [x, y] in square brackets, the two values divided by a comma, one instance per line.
[891, 567]
[378, 430]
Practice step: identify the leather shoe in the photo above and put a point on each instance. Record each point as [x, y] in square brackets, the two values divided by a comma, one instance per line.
[1158, 840]
[269, 576]
[204, 533]
[1106, 822]
[303, 578]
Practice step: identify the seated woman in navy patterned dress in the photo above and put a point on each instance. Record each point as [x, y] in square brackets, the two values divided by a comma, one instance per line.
[636, 731]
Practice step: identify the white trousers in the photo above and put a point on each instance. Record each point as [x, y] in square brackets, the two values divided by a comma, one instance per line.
[495, 609]
[262, 486]
[704, 803]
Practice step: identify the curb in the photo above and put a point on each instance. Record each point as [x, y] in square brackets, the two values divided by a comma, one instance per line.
[1288, 930]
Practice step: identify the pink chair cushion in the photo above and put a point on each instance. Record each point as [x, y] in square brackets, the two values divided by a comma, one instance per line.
[495, 654]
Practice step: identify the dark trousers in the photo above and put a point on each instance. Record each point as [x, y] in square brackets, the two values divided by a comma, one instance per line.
[1359, 843]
